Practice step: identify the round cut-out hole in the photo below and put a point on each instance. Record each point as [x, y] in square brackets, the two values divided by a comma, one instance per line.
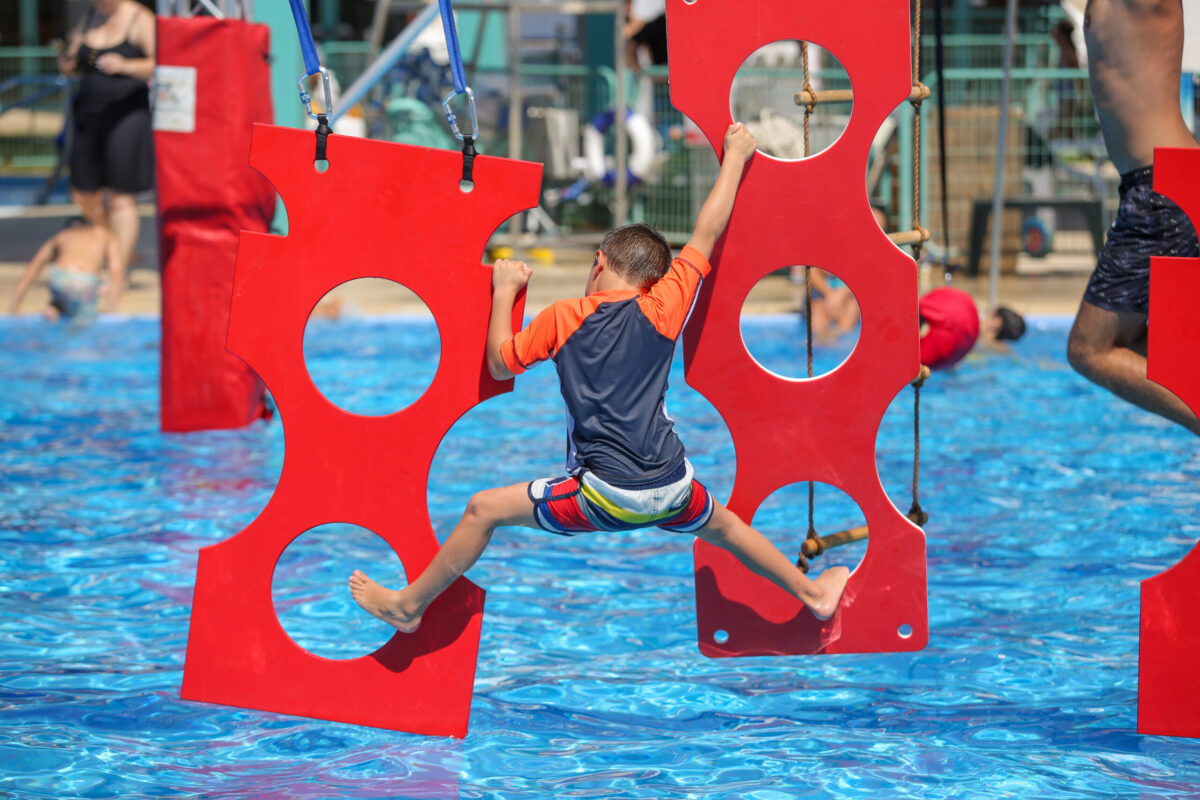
[833, 314]
[321, 165]
[392, 370]
[783, 518]
[764, 98]
[311, 597]
[721, 637]
[905, 631]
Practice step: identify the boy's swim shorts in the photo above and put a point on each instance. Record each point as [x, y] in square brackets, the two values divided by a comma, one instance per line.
[582, 503]
[75, 294]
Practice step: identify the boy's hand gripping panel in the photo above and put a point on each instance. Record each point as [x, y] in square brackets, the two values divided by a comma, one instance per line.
[1168, 693]
[387, 211]
[814, 212]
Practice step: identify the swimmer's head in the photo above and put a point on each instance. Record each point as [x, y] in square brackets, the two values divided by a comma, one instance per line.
[1005, 324]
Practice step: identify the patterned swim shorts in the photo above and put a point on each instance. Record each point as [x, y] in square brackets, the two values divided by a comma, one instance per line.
[1147, 224]
[582, 503]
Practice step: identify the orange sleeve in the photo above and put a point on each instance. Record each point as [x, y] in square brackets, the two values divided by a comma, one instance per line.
[669, 300]
[541, 338]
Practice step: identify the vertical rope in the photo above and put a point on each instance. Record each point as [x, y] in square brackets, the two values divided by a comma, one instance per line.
[812, 96]
[915, 513]
[916, 104]
[808, 109]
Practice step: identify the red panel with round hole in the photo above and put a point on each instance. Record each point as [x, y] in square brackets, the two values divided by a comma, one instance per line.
[1168, 693]
[812, 211]
[387, 211]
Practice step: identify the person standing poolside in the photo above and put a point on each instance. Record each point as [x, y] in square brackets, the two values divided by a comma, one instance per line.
[112, 145]
[1135, 56]
[626, 466]
[77, 256]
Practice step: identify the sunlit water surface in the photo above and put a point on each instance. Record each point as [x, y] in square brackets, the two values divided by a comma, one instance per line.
[1050, 501]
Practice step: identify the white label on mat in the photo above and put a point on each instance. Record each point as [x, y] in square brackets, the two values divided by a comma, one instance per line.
[175, 99]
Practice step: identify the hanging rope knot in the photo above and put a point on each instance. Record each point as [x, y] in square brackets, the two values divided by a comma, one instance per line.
[323, 131]
[812, 98]
[818, 545]
[920, 92]
[812, 547]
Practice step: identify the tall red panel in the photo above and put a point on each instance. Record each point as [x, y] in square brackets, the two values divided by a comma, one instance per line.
[380, 210]
[206, 196]
[1168, 692]
[816, 212]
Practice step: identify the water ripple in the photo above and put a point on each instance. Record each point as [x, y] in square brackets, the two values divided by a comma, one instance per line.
[589, 681]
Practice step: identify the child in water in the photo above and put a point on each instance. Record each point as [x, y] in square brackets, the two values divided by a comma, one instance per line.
[77, 256]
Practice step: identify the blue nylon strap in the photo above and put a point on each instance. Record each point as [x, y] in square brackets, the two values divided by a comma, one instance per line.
[312, 65]
[456, 62]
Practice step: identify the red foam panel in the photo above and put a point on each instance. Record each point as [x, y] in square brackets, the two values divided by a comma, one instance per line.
[206, 196]
[1168, 692]
[387, 211]
[815, 212]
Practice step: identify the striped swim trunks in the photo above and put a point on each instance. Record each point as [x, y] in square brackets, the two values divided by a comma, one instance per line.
[583, 503]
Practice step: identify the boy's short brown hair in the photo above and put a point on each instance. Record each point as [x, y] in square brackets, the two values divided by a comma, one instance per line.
[637, 252]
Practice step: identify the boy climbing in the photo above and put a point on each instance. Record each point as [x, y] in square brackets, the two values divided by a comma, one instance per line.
[612, 349]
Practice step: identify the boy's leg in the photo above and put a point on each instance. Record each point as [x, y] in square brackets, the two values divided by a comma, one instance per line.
[486, 511]
[726, 530]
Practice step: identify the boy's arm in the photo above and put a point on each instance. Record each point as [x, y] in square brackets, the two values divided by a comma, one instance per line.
[39, 261]
[116, 273]
[508, 278]
[714, 214]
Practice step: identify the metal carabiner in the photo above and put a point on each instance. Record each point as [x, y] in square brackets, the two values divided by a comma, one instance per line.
[304, 98]
[453, 120]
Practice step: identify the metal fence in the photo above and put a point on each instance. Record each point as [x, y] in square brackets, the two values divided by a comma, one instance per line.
[1055, 149]
[33, 99]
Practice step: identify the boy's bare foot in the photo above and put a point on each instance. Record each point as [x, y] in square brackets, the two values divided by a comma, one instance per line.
[386, 604]
[831, 583]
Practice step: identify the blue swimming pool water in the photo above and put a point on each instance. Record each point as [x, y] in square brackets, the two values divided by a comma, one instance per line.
[1050, 501]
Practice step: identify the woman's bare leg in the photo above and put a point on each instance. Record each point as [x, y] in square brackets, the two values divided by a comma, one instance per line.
[822, 595]
[487, 510]
[91, 205]
[124, 222]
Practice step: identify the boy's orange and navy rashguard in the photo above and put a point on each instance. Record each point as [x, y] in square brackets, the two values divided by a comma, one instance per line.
[613, 352]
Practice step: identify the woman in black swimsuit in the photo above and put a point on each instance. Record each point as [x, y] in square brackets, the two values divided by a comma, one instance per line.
[112, 146]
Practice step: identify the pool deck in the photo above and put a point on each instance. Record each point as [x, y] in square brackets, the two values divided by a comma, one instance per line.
[1046, 286]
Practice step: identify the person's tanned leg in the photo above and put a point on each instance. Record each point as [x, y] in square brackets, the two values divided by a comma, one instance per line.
[1108, 348]
[728, 531]
[124, 222]
[487, 510]
[91, 204]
